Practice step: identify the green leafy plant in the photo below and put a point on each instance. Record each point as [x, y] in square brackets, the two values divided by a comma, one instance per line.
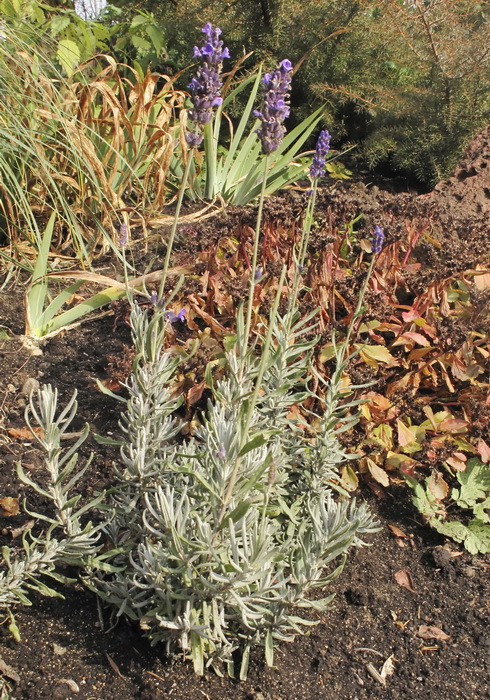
[136, 37]
[470, 497]
[70, 38]
[239, 168]
[42, 316]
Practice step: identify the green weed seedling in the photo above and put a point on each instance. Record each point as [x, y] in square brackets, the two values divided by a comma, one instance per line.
[470, 500]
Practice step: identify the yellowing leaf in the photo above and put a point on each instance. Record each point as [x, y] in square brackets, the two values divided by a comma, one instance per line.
[396, 460]
[418, 353]
[410, 315]
[68, 54]
[348, 478]
[406, 435]
[410, 338]
[372, 354]
[326, 353]
[454, 425]
[383, 434]
[9, 507]
[377, 473]
[438, 487]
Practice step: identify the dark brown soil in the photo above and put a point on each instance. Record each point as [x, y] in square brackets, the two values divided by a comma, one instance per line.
[68, 649]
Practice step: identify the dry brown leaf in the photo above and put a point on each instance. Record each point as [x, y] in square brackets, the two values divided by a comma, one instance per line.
[8, 671]
[25, 433]
[456, 463]
[9, 507]
[453, 425]
[403, 577]
[19, 530]
[432, 632]
[388, 667]
[114, 666]
[397, 532]
[483, 450]
[481, 278]
[195, 392]
[405, 435]
[438, 487]
[348, 478]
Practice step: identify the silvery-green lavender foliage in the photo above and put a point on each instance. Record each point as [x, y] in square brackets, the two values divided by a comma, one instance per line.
[204, 568]
[66, 540]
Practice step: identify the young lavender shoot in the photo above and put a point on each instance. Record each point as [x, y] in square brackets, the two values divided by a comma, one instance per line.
[275, 106]
[206, 86]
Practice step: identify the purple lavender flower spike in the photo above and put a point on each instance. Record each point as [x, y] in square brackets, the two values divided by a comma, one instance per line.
[275, 106]
[172, 318]
[378, 240]
[206, 86]
[317, 168]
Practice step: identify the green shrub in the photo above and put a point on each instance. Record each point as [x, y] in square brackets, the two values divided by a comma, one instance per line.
[407, 83]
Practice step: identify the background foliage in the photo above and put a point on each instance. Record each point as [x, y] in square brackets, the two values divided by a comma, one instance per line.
[407, 82]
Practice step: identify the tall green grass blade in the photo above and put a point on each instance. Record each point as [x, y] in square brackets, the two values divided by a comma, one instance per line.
[36, 295]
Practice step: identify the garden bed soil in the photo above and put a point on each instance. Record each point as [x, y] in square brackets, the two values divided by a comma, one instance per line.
[410, 597]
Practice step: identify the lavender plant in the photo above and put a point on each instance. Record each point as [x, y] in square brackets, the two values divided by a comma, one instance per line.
[212, 542]
[317, 171]
[275, 107]
[206, 86]
[204, 569]
[67, 539]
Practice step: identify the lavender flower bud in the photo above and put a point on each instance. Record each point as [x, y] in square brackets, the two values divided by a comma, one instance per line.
[123, 235]
[378, 240]
[156, 301]
[317, 168]
[275, 107]
[206, 86]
